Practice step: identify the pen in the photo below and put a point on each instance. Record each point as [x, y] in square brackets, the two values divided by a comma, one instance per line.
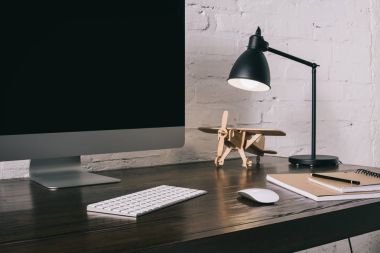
[336, 179]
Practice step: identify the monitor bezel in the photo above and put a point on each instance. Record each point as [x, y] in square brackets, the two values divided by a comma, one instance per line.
[66, 144]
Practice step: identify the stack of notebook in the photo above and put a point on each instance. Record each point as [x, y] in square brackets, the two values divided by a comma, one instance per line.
[360, 184]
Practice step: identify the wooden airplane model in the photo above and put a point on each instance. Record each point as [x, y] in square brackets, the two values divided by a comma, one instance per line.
[241, 139]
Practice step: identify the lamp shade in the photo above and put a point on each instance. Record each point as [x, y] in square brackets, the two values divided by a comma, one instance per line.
[250, 71]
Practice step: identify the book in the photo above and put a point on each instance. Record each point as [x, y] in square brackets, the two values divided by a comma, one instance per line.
[300, 183]
[369, 181]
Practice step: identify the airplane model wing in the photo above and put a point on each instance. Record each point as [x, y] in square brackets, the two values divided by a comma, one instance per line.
[255, 149]
[210, 130]
[268, 132]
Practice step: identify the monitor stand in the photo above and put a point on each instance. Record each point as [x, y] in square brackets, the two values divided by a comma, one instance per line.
[65, 172]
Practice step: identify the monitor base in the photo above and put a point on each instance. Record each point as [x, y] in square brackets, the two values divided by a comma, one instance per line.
[65, 172]
[318, 161]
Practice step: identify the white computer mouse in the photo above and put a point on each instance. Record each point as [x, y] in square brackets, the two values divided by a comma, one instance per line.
[260, 195]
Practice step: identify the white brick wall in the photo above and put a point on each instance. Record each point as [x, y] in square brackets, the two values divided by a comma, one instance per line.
[342, 36]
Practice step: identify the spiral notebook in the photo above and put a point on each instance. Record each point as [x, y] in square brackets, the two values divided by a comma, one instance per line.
[369, 181]
[300, 183]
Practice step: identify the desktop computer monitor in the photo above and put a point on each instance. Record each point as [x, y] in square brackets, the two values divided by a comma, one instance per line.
[90, 78]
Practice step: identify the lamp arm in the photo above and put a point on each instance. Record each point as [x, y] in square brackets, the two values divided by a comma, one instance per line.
[313, 98]
[291, 57]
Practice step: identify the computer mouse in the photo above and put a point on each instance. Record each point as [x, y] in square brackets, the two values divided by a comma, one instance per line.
[260, 195]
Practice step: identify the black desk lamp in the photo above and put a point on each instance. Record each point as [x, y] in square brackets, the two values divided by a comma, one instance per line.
[251, 72]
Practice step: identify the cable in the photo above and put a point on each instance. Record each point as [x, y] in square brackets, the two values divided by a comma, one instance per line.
[349, 243]
[349, 239]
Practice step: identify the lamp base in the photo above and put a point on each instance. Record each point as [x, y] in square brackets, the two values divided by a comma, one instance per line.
[317, 161]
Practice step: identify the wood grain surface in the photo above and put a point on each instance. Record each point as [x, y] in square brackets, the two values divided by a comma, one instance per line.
[34, 219]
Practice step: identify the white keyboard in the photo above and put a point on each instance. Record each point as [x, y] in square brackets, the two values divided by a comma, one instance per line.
[146, 201]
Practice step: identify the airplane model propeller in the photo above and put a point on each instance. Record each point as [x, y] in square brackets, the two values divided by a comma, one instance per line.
[240, 139]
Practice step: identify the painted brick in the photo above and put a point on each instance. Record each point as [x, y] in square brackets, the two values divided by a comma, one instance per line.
[226, 22]
[14, 169]
[250, 21]
[214, 4]
[351, 63]
[354, 91]
[342, 137]
[326, 90]
[376, 143]
[210, 44]
[250, 115]
[314, 51]
[288, 111]
[217, 91]
[199, 19]
[288, 90]
[203, 67]
[209, 115]
[333, 110]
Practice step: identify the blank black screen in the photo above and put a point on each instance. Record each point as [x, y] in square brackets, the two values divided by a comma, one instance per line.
[93, 66]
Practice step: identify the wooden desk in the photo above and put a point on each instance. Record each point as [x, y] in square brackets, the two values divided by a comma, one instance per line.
[33, 219]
